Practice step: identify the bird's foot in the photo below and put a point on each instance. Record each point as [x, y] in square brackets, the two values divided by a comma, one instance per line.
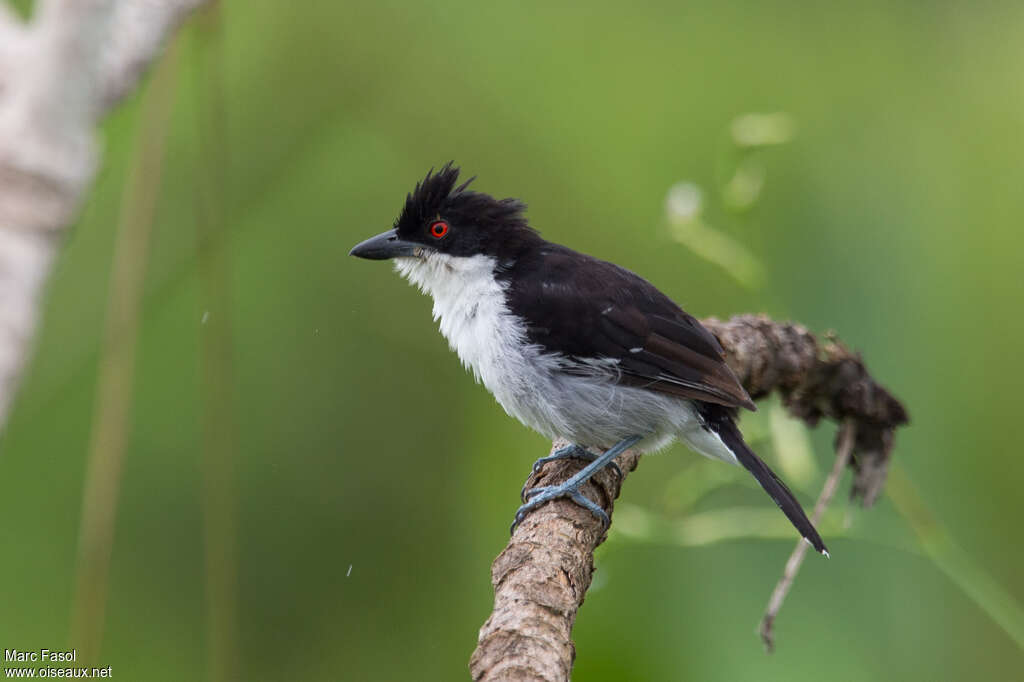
[572, 452]
[535, 497]
[545, 493]
[568, 452]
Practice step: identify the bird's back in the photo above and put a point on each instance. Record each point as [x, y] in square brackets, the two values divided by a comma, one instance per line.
[589, 309]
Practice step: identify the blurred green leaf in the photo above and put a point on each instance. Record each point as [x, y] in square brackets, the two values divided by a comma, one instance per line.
[762, 130]
[792, 448]
[684, 206]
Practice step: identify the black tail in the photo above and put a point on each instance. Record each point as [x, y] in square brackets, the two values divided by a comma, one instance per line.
[771, 483]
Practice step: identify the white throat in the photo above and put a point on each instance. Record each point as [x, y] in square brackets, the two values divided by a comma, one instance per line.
[469, 304]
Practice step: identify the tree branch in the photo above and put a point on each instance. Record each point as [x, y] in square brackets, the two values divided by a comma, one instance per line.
[541, 577]
[58, 75]
[844, 449]
[138, 30]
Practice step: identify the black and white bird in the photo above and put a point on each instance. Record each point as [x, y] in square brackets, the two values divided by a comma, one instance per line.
[572, 346]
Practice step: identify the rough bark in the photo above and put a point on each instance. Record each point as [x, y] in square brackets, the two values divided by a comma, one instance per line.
[541, 577]
[816, 379]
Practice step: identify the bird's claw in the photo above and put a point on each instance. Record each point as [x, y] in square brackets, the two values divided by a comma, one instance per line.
[569, 452]
[573, 452]
[535, 497]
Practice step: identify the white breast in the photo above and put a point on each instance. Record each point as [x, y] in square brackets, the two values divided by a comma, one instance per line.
[586, 406]
[469, 305]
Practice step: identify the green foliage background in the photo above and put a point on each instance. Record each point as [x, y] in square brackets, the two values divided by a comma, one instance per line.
[893, 217]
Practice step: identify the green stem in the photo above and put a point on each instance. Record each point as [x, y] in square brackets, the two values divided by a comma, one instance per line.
[979, 586]
[112, 416]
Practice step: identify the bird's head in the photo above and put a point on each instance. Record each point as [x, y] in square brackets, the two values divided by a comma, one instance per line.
[442, 218]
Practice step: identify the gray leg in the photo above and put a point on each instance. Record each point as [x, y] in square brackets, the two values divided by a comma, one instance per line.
[573, 451]
[538, 496]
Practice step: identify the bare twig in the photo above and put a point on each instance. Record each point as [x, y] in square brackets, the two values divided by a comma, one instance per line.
[540, 580]
[542, 575]
[844, 448]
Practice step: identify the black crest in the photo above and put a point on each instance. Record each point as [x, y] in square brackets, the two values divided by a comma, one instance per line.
[437, 196]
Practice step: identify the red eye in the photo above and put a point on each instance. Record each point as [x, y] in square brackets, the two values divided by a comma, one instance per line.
[439, 229]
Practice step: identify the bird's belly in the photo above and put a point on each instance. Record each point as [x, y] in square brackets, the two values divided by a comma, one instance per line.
[589, 410]
[493, 347]
[533, 387]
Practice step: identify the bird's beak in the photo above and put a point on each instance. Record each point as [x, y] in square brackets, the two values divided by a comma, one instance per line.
[385, 245]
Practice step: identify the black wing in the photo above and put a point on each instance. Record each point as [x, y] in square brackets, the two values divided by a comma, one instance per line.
[587, 308]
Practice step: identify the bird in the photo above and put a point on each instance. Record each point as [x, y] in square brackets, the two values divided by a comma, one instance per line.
[572, 346]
